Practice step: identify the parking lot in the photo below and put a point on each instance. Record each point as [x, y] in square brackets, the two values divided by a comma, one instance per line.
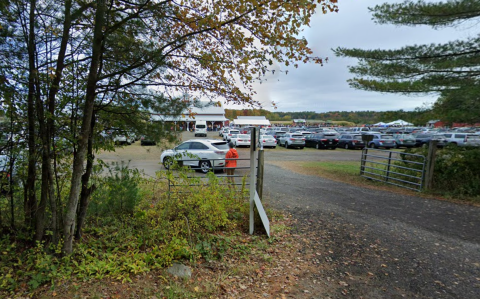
[147, 158]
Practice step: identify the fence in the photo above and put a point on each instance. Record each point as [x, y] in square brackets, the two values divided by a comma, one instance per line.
[192, 180]
[396, 168]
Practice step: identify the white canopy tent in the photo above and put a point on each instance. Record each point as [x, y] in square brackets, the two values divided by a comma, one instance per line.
[380, 124]
[399, 122]
[251, 121]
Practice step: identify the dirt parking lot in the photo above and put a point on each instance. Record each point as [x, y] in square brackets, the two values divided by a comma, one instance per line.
[147, 158]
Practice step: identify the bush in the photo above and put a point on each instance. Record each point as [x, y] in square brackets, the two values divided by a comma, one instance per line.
[456, 172]
[116, 194]
[127, 233]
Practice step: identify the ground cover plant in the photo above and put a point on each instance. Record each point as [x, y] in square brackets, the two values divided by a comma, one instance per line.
[135, 226]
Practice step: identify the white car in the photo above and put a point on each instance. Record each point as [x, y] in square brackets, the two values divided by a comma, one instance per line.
[200, 154]
[229, 134]
[268, 141]
[241, 140]
[121, 138]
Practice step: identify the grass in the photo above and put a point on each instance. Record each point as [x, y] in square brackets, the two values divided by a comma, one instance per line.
[335, 168]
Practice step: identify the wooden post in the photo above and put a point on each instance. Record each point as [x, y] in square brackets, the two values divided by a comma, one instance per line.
[432, 152]
[261, 160]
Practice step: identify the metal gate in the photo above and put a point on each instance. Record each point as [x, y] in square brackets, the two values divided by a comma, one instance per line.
[396, 168]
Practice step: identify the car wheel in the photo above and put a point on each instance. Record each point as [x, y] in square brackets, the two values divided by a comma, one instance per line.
[372, 145]
[286, 145]
[346, 146]
[425, 145]
[204, 166]
[167, 162]
[301, 147]
[334, 148]
[317, 146]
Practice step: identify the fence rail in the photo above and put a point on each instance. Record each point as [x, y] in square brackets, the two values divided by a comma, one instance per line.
[239, 173]
[396, 168]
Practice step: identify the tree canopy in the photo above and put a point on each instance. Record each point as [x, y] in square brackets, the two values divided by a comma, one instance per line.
[447, 69]
[72, 68]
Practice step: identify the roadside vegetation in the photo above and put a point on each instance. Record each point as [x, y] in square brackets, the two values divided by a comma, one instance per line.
[135, 227]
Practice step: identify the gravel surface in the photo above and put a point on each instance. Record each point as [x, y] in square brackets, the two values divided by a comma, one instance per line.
[394, 245]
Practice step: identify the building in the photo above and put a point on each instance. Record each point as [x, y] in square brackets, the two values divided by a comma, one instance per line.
[214, 115]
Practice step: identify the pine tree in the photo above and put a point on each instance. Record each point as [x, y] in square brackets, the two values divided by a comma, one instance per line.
[449, 69]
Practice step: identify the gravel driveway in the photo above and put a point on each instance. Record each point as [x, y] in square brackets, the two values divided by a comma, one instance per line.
[390, 245]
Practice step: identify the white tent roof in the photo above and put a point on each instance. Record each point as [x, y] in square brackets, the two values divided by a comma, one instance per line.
[399, 122]
[379, 124]
[251, 120]
[186, 117]
[205, 112]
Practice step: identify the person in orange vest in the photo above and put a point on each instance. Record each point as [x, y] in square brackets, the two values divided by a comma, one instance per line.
[231, 164]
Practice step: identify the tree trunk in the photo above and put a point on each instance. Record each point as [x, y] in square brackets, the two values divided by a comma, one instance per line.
[86, 191]
[78, 167]
[31, 201]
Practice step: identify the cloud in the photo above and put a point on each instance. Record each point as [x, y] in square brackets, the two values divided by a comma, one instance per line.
[324, 88]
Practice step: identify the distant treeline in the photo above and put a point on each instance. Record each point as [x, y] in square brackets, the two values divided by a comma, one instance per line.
[417, 117]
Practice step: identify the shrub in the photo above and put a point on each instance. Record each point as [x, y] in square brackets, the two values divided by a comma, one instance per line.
[456, 172]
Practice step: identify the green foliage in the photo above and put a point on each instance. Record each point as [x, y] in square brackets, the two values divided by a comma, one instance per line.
[132, 231]
[116, 194]
[457, 171]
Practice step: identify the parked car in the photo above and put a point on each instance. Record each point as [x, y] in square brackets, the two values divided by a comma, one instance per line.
[351, 141]
[121, 138]
[276, 135]
[223, 131]
[321, 140]
[145, 140]
[292, 140]
[462, 139]
[382, 140]
[201, 154]
[268, 141]
[241, 140]
[305, 133]
[361, 130]
[229, 134]
[422, 140]
[404, 140]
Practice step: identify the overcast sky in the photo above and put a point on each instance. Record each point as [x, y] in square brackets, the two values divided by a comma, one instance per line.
[324, 88]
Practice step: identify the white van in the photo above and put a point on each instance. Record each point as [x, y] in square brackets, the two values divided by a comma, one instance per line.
[201, 128]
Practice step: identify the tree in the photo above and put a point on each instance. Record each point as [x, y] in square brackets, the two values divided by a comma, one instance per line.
[450, 69]
[128, 57]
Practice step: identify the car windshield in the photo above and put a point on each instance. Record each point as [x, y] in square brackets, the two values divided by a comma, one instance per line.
[297, 136]
[243, 136]
[222, 145]
[358, 137]
[387, 137]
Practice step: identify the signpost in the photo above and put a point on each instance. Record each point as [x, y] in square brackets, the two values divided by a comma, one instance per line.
[254, 198]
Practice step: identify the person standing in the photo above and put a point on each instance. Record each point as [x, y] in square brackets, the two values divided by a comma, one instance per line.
[231, 163]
